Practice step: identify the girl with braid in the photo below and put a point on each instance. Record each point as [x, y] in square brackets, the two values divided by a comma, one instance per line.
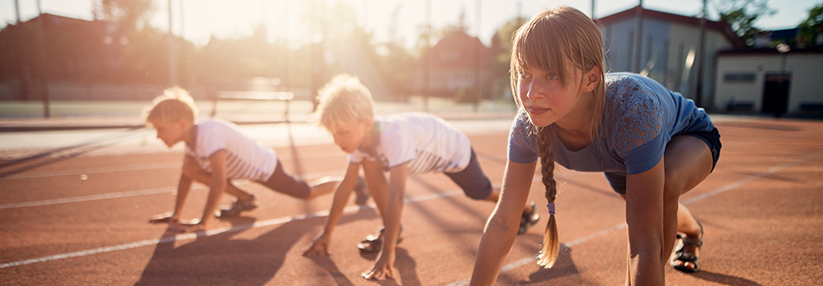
[652, 144]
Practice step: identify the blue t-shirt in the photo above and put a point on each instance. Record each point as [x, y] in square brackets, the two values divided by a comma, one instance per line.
[640, 118]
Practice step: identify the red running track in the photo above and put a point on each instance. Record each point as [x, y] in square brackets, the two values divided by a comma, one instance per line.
[82, 220]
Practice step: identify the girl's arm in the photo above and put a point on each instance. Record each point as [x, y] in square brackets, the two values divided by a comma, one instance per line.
[645, 220]
[502, 225]
[341, 198]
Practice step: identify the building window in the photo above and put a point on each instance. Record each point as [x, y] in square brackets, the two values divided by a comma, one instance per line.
[739, 77]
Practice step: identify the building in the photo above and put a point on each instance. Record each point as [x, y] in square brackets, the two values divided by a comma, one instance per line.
[456, 65]
[771, 80]
[668, 50]
[73, 59]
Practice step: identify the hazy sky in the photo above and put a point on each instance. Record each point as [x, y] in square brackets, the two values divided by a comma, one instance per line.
[234, 18]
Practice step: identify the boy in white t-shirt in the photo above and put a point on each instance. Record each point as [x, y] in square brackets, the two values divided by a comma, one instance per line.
[216, 153]
[401, 144]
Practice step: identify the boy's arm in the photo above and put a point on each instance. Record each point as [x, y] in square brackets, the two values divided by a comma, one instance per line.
[391, 223]
[183, 188]
[341, 198]
[501, 228]
[219, 180]
[217, 187]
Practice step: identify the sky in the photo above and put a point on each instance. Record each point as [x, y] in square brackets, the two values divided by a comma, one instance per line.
[198, 20]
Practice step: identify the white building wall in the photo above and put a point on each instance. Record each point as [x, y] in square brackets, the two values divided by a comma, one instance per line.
[807, 80]
[680, 76]
[806, 84]
[671, 43]
[683, 41]
[743, 92]
[715, 42]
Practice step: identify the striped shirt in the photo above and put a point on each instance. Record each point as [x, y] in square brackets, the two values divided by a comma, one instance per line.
[245, 158]
[428, 143]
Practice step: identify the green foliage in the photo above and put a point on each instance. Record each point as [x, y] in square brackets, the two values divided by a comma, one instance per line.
[120, 46]
[502, 40]
[741, 15]
[394, 66]
[812, 26]
[128, 14]
[501, 47]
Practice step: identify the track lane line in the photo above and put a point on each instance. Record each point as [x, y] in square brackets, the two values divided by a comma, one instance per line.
[140, 167]
[94, 197]
[126, 194]
[187, 236]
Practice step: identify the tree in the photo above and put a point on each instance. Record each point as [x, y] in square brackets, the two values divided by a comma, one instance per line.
[812, 26]
[502, 48]
[128, 14]
[741, 15]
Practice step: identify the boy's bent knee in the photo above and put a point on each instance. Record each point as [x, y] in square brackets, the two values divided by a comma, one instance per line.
[284, 183]
[479, 194]
[191, 169]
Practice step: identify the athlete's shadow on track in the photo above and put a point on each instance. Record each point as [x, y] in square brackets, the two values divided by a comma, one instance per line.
[563, 267]
[723, 279]
[404, 264]
[221, 260]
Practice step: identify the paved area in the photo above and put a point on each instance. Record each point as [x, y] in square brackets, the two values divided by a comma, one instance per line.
[74, 207]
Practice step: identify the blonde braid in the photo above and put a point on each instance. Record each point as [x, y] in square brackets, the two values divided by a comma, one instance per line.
[546, 42]
[551, 244]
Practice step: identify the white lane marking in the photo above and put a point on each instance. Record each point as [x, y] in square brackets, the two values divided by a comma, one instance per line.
[124, 194]
[621, 226]
[212, 232]
[96, 170]
[92, 198]
[752, 178]
[582, 240]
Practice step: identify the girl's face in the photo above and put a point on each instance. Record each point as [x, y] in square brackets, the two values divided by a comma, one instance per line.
[544, 97]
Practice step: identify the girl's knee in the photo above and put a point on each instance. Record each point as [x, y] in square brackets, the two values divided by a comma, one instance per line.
[672, 190]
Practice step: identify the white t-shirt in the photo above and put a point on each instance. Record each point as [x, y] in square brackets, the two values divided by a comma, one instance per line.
[245, 158]
[426, 141]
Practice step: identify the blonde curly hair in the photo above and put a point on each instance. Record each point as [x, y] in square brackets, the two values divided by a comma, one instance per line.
[174, 104]
[343, 101]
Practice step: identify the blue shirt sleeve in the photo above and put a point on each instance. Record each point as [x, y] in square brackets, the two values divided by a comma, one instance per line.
[522, 145]
[639, 130]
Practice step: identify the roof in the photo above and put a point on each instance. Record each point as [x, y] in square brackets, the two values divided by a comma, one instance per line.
[722, 27]
[769, 51]
[458, 50]
[784, 33]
